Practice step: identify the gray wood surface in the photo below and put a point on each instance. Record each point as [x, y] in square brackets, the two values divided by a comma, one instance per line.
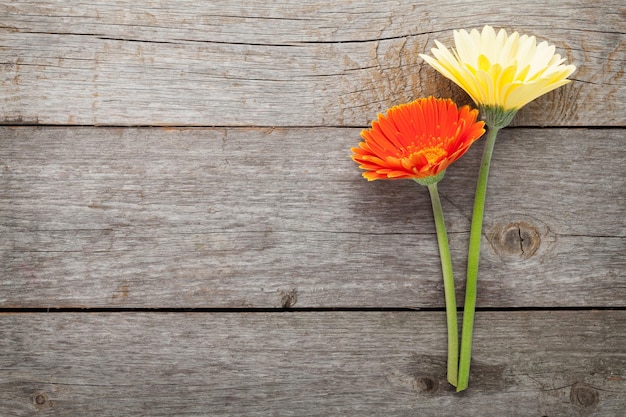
[288, 63]
[96, 217]
[308, 364]
[201, 160]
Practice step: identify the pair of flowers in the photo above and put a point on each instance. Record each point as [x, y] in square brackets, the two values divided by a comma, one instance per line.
[419, 140]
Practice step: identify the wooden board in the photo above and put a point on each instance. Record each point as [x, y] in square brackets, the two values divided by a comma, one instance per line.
[313, 364]
[288, 63]
[200, 171]
[220, 218]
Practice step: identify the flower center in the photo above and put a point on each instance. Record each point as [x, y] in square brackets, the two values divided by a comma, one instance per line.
[434, 154]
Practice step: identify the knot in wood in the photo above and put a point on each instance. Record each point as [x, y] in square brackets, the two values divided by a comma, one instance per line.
[584, 396]
[40, 399]
[288, 298]
[426, 384]
[515, 240]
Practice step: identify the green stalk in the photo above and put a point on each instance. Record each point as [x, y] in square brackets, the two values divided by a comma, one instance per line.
[473, 256]
[448, 285]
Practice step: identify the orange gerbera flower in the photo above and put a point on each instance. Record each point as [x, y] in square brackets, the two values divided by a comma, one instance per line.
[417, 140]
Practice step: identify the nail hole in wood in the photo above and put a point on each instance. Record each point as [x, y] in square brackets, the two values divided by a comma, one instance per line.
[40, 399]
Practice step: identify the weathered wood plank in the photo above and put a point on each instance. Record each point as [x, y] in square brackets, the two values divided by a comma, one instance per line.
[100, 217]
[321, 364]
[287, 63]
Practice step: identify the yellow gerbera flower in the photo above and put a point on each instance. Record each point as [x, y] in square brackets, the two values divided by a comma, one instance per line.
[502, 74]
[500, 71]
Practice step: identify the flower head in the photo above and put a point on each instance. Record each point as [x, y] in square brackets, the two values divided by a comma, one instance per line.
[498, 70]
[417, 140]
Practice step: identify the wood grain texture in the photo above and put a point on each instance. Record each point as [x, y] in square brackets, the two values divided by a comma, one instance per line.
[313, 364]
[253, 202]
[117, 217]
[288, 63]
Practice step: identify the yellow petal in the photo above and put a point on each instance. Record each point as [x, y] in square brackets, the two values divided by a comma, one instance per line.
[498, 69]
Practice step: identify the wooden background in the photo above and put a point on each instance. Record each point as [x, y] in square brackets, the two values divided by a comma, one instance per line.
[184, 233]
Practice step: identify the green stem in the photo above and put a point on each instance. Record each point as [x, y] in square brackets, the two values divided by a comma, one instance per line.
[448, 285]
[473, 256]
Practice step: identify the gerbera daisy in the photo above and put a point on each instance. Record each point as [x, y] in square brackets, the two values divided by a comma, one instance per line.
[501, 73]
[417, 140]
